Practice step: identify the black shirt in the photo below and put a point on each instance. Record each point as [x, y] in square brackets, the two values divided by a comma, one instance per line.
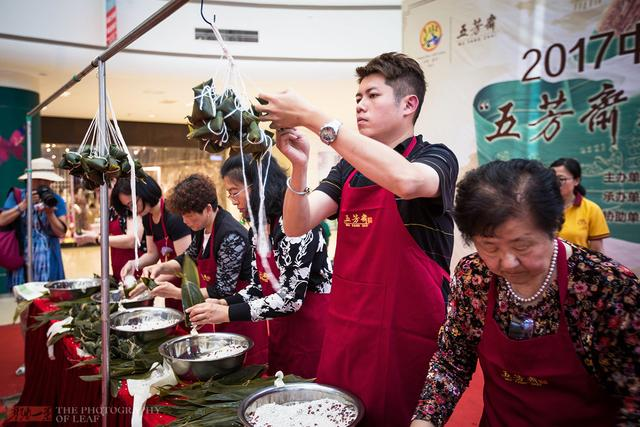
[428, 220]
[304, 267]
[231, 248]
[176, 229]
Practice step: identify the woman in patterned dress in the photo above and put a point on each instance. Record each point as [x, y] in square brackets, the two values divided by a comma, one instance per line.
[554, 325]
[292, 291]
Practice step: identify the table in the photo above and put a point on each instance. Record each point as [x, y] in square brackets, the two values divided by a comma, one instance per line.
[55, 393]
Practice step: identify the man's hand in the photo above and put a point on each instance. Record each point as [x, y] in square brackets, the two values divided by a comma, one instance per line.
[293, 145]
[285, 110]
[167, 290]
[208, 312]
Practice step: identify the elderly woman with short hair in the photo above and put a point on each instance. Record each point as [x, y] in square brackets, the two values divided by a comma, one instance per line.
[554, 325]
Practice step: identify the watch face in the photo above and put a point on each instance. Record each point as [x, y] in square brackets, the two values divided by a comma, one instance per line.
[328, 134]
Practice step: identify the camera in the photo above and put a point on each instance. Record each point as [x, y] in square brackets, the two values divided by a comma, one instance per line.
[47, 196]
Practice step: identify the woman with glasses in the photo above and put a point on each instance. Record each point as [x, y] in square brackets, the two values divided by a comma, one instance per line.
[584, 222]
[297, 304]
[166, 234]
[221, 250]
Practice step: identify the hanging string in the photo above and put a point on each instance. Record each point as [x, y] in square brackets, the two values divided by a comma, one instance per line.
[132, 176]
[233, 81]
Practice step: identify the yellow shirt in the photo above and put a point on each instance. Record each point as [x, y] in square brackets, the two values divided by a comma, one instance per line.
[583, 221]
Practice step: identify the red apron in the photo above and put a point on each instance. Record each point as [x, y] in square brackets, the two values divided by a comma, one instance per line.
[295, 340]
[167, 252]
[385, 310]
[256, 331]
[539, 381]
[120, 256]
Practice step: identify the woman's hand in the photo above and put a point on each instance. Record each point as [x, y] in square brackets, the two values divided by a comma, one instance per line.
[167, 290]
[86, 238]
[128, 269]
[139, 289]
[421, 423]
[208, 312]
[293, 145]
[152, 271]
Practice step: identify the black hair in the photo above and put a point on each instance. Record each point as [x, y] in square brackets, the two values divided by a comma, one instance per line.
[148, 191]
[403, 73]
[491, 194]
[192, 194]
[276, 183]
[573, 166]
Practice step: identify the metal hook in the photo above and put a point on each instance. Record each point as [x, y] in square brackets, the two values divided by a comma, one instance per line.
[202, 13]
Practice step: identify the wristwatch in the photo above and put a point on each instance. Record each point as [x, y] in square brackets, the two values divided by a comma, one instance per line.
[329, 132]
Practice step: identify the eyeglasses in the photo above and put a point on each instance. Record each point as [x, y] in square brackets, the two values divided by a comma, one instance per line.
[563, 179]
[235, 195]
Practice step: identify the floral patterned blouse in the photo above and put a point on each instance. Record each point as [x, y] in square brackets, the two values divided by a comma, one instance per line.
[304, 267]
[602, 314]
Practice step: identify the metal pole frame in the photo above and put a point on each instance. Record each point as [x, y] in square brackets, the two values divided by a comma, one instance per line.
[99, 62]
[27, 194]
[104, 242]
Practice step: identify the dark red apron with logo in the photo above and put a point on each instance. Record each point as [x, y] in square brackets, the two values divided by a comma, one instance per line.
[256, 331]
[120, 256]
[539, 381]
[167, 252]
[385, 310]
[295, 340]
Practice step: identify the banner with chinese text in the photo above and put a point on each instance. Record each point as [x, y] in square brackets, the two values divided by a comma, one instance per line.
[539, 80]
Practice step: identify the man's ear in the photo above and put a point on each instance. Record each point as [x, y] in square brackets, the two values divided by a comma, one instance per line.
[410, 104]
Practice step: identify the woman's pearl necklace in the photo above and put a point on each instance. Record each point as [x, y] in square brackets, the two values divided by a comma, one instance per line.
[544, 285]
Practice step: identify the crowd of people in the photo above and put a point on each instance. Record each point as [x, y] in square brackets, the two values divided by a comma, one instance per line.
[552, 321]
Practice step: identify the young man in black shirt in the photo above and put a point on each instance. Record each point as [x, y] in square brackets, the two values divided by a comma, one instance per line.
[392, 194]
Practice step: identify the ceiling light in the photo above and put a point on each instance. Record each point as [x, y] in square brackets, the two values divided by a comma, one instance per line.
[48, 150]
[66, 150]
[53, 156]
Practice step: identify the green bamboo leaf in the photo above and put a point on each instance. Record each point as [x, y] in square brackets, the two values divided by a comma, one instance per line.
[90, 378]
[190, 271]
[20, 308]
[114, 385]
[249, 372]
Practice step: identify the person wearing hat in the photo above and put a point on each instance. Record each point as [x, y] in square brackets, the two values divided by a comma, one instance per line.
[49, 224]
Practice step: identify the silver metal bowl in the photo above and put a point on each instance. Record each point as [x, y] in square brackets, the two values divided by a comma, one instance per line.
[117, 295]
[297, 392]
[183, 353]
[67, 290]
[144, 315]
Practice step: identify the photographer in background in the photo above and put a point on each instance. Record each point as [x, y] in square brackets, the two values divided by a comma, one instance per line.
[49, 226]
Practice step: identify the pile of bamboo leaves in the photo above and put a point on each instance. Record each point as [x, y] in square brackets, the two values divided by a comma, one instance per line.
[215, 402]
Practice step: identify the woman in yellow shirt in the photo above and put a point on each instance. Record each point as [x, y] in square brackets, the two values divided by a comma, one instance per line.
[584, 222]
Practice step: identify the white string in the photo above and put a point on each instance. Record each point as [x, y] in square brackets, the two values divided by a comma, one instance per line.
[90, 133]
[132, 176]
[233, 81]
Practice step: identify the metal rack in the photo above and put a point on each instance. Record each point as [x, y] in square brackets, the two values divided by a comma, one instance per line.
[99, 63]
